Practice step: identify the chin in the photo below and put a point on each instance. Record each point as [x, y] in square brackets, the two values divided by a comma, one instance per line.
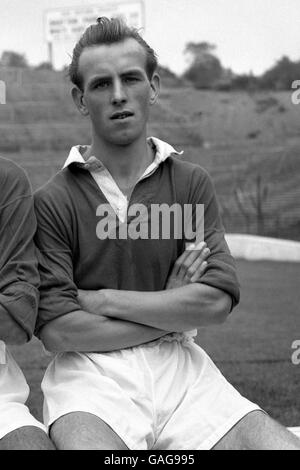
[124, 140]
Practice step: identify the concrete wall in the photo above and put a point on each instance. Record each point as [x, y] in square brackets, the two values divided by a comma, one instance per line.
[251, 247]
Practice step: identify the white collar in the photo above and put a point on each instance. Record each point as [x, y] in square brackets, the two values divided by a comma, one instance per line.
[163, 151]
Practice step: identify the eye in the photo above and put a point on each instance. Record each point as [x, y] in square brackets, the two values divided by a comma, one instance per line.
[131, 79]
[102, 84]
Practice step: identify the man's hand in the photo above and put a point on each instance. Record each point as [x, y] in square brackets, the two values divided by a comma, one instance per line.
[189, 267]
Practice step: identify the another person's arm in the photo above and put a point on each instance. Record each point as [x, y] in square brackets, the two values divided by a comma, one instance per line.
[19, 278]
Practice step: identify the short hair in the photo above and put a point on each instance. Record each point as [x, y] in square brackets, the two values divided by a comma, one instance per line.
[108, 31]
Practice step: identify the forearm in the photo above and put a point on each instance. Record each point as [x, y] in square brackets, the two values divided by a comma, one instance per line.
[179, 309]
[84, 332]
[10, 331]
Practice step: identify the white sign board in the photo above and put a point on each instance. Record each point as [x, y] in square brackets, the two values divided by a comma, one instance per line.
[68, 24]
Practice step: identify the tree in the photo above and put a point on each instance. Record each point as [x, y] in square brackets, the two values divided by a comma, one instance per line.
[13, 59]
[44, 66]
[169, 78]
[205, 69]
[281, 75]
[246, 82]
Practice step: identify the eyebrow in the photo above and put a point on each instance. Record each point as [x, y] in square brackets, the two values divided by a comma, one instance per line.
[105, 76]
[97, 79]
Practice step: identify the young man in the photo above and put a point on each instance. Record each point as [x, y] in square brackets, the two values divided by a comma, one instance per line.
[19, 282]
[121, 310]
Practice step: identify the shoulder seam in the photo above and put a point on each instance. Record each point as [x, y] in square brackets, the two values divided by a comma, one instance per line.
[25, 196]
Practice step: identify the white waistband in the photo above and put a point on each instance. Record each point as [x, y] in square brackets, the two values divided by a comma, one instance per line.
[2, 352]
[185, 337]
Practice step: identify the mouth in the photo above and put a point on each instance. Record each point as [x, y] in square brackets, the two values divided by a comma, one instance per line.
[121, 115]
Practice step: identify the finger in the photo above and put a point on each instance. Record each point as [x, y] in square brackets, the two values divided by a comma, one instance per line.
[198, 262]
[193, 253]
[199, 272]
[182, 260]
[187, 258]
[178, 263]
[189, 246]
[192, 257]
[195, 246]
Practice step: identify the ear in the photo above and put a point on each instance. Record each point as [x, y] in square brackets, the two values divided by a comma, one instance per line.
[155, 88]
[78, 98]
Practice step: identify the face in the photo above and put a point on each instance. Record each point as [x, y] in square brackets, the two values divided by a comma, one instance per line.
[117, 93]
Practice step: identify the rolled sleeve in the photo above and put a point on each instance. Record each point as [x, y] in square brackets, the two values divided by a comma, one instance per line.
[20, 301]
[19, 277]
[221, 270]
[58, 292]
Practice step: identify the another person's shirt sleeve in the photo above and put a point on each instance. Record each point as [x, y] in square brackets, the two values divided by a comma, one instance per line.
[221, 270]
[19, 277]
[58, 292]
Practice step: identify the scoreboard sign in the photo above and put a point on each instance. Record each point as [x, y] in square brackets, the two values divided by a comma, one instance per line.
[68, 24]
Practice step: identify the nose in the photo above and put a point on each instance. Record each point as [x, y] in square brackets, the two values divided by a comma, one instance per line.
[118, 94]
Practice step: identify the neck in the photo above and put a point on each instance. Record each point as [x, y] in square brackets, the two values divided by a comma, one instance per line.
[123, 162]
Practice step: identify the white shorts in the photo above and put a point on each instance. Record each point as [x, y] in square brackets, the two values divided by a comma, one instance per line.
[14, 392]
[165, 395]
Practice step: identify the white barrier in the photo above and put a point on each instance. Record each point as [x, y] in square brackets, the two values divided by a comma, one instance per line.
[295, 431]
[252, 247]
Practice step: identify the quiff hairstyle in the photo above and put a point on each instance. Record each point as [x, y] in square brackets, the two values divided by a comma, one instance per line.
[108, 31]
